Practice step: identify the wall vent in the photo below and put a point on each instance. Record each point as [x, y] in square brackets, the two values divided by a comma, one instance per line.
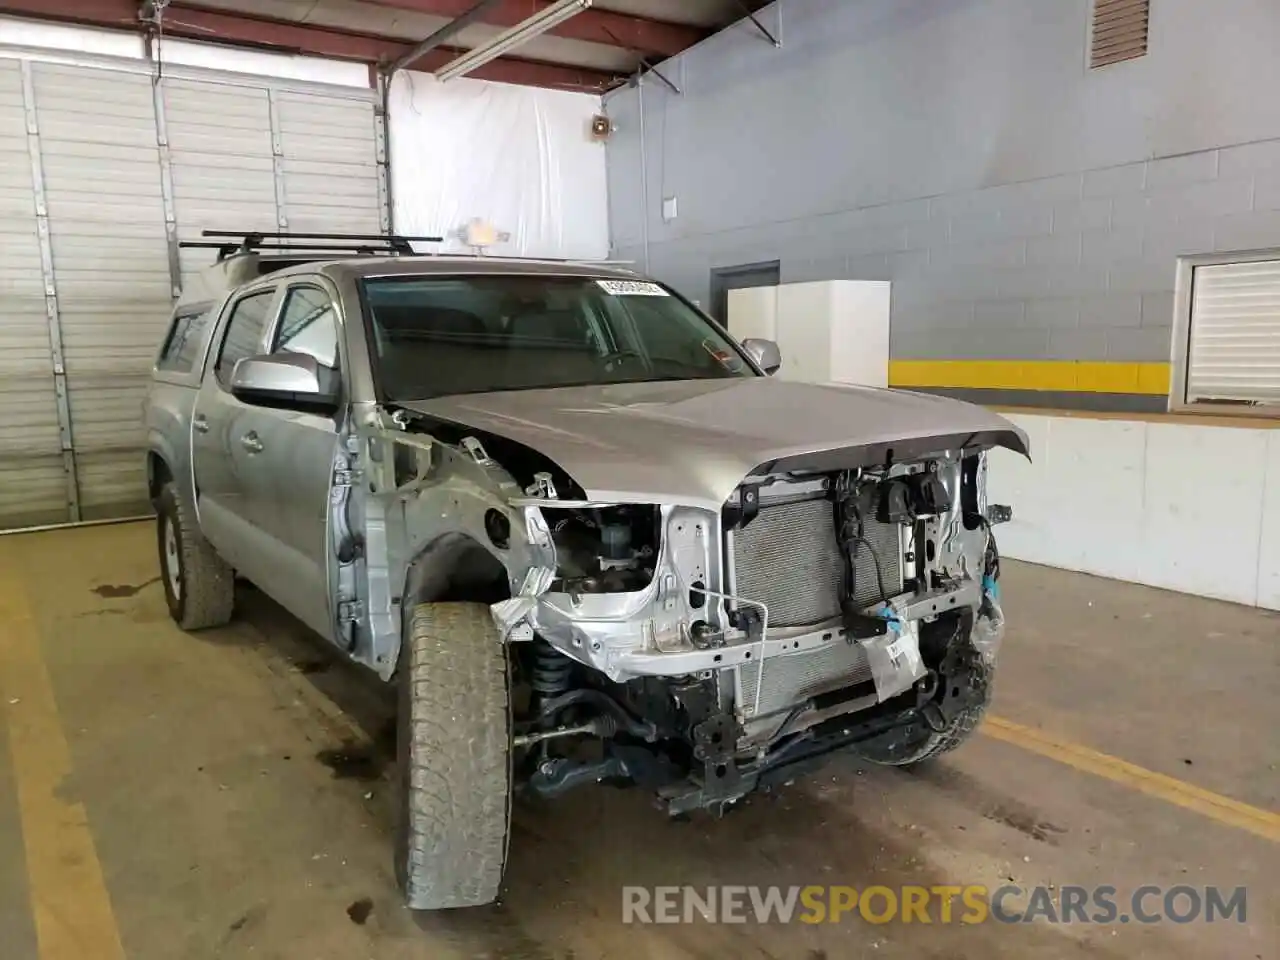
[1120, 29]
[1234, 354]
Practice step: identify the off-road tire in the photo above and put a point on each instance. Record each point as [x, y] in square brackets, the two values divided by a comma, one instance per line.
[454, 753]
[206, 594]
[921, 744]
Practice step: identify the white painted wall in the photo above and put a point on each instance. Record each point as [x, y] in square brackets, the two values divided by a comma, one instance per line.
[520, 158]
[829, 331]
[73, 40]
[1187, 507]
[53, 36]
[753, 312]
[1024, 206]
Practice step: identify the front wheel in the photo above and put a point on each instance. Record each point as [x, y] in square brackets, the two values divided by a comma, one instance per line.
[199, 586]
[454, 753]
[967, 696]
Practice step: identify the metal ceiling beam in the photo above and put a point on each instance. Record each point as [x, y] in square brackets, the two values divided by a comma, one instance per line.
[652, 37]
[529, 73]
[644, 62]
[191, 23]
[475, 13]
[115, 14]
[750, 15]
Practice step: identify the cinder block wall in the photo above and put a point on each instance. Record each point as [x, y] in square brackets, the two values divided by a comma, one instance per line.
[1026, 208]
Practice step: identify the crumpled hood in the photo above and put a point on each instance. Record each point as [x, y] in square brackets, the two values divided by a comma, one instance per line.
[693, 441]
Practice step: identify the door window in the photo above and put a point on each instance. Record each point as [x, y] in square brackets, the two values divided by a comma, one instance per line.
[244, 333]
[185, 337]
[308, 324]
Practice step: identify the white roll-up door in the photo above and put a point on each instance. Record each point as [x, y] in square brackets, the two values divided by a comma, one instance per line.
[220, 152]
[33, 471]
[101, 164]
[272, 159]
[1235, 333]
[102, 170]
[329, 160]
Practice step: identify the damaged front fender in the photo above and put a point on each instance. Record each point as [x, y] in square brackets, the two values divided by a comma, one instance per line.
[623, 633]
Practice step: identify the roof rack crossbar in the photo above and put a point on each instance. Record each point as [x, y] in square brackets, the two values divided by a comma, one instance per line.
[337, 247]
[364, 243]
[291, 235]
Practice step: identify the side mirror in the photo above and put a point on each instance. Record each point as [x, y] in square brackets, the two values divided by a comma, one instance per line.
[295, 381]
[765, 353]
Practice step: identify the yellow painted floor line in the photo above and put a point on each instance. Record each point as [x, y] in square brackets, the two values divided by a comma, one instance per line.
[69, 900]
[1233, 813]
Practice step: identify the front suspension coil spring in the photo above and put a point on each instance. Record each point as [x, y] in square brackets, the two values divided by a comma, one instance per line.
[552, 671]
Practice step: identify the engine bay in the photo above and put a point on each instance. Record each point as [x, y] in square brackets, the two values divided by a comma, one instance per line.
[699, 652]
[605, 549]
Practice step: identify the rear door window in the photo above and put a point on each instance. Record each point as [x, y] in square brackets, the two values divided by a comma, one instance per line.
[186, 335]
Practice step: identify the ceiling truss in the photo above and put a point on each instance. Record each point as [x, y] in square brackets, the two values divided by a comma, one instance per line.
[646, 40]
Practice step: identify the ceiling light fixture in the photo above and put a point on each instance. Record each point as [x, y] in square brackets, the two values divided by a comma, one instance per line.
[508, 40]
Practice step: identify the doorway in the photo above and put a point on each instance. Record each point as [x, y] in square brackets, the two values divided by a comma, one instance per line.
[724, 279]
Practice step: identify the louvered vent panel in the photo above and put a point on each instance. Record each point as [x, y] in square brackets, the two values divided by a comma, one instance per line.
[1120, 30]
[1235, 333]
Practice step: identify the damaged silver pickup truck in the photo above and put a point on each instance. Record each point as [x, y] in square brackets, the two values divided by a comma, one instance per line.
[588, 535]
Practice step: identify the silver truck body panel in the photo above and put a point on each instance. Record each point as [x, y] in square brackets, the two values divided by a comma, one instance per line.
[693, 441]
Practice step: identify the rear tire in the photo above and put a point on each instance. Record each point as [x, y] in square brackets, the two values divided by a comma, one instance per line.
[199, 586]
[454, 753]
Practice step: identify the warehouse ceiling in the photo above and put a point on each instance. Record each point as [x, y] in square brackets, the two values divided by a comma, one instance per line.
[595, 50]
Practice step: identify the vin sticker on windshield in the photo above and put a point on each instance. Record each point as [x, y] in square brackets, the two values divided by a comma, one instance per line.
[631, 288]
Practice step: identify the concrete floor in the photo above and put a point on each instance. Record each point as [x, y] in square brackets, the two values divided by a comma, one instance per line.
[167, 796]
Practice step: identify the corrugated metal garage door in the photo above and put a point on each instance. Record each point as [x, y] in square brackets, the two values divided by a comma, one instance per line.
[110, 264]
[114, 170]
[260, 158]
[222, 161]
[329, 159]
[33, 476]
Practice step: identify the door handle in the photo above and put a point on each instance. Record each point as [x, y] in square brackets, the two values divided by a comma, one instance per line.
[200, 423]
[251, 442]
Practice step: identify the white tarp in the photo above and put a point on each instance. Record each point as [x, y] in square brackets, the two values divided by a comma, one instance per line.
[520, 158]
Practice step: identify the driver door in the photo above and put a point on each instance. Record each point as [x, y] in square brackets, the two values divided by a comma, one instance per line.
[229, 475]
[298, 449]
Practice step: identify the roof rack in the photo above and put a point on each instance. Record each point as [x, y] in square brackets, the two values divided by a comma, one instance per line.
[583, 261]
[239, 241]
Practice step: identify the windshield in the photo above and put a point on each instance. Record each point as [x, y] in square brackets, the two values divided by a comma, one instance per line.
[474, 334]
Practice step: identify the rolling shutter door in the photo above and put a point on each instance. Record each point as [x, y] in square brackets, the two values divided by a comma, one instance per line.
[220, 154]
[329, 153]
[259, 158]
[112, 170]
[33, 478]
[1235, 333]
[111, 265]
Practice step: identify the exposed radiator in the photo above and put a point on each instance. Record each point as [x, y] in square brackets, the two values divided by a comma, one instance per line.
[791, 679]
[788, 558]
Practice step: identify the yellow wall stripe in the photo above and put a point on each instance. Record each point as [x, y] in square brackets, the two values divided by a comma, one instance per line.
[1067, 376]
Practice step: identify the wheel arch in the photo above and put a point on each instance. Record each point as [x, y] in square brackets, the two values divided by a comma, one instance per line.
[166, 461]
[454, 567]
[159, 472]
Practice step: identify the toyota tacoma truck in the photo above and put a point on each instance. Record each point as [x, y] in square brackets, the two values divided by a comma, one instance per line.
[587, 534]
